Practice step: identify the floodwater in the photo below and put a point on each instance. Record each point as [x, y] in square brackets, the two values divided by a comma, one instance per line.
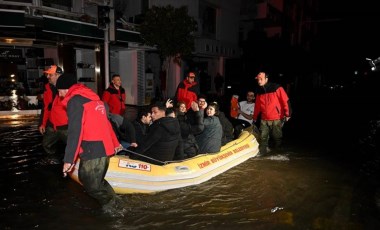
[325, 178]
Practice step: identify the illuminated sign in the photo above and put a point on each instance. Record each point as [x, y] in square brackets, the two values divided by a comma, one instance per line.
[10, 54]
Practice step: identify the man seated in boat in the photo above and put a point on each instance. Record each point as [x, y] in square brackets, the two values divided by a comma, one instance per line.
[192, 113]
[244, 113]
[142, 123]
[124, 130]
[161, 142]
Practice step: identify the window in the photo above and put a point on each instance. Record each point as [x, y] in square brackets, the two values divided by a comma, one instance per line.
[208, 16]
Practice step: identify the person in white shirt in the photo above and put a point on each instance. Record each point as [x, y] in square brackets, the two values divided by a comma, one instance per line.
[246, 108]
[245, 117]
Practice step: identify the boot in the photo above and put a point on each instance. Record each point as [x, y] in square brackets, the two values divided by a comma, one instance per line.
[263, 150]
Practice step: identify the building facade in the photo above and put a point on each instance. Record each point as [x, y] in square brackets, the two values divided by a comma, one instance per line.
[36, 33]
[216, 39]
[39, 33]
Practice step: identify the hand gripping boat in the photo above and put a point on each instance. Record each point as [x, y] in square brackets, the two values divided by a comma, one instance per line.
[134, 176]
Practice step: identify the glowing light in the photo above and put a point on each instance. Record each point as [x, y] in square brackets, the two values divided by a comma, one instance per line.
[12, 75]
[14, 99]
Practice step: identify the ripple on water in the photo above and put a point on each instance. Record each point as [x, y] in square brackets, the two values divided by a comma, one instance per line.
[306, 191]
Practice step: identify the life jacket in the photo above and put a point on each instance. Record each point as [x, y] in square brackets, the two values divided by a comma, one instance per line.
[187, 93]
[115, 98]
[94, 130]
[272, 103]
[234, 111]
[95, 126]
[53, 112]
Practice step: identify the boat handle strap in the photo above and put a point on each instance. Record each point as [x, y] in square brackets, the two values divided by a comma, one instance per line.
[141, 155]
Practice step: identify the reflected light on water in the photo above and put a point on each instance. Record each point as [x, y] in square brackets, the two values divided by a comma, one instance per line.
[15, 120]
[300, 187]
[14, 100]
[16, 117]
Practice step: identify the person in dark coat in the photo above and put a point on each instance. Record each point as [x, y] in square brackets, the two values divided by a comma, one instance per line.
[210, 140]
[161, 142]
[142, 123]
[90, 138]
[190, 128]
[124, 130]
[228, 129]
[201, 107]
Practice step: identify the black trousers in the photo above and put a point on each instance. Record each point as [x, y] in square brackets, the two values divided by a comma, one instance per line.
[91, 174]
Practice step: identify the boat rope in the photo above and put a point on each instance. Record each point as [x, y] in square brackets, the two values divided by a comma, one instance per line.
[141, 155]
[168, 162]
[202, 154]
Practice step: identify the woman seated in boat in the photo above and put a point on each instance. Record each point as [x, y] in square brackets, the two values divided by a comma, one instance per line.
[210, 139]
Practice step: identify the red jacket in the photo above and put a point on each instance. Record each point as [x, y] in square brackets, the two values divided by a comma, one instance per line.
[272, 103]
[53, 112]
[187, 93]
[90, 134]
[115, 98]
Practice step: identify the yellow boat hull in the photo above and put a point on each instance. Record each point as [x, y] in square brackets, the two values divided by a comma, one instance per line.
[132, 176]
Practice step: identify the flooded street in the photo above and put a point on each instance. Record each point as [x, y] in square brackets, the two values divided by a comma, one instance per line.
[321, 180]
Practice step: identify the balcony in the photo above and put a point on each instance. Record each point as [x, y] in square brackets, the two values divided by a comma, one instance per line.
[214, 48]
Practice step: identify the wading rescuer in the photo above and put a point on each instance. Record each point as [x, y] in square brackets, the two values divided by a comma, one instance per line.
[273, 107]
[53, 121]
[90, 138]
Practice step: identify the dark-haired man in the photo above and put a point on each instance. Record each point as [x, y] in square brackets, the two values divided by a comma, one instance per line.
[162, 141]
[142, 123]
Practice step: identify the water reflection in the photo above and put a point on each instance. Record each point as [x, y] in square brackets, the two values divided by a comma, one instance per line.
[14, 99]
[19, 120]
[298, 188]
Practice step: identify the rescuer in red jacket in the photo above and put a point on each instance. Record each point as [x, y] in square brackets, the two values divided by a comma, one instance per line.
[114, 96]
[187, 91]
[91, 138]
[53, 121]
[273, 107]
